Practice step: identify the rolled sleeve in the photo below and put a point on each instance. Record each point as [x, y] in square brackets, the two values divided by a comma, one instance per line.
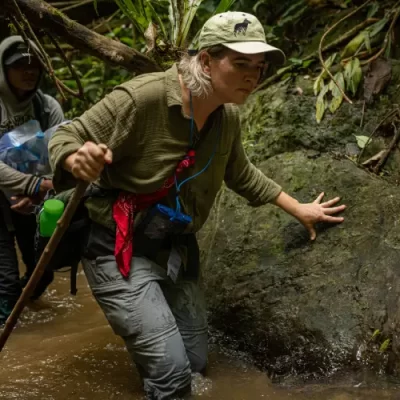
[246, 180]
[111, 121]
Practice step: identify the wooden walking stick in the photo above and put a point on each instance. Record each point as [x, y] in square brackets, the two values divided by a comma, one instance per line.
[45, 258]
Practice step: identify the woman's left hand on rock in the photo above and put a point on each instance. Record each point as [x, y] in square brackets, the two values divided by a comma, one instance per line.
[311, 213]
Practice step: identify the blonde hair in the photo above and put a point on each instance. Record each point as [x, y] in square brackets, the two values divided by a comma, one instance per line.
[193, 76]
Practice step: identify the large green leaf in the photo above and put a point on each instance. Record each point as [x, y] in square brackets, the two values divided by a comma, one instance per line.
[373, 9]
[293, 18]
[223, 6]
[321, 103]
[353, 75]
[353, 45]
[190, 10]
[336, 93]
[339, 78]
[377, 27]
[364, 38]
[293, 8]
[158, 19]
[137, 12]
[328, 63]
[176, 12]
[319, 83]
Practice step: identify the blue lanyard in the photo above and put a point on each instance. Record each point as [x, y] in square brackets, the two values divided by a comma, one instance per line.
[178, 186]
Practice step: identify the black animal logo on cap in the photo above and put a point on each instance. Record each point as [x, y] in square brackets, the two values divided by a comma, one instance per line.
[241, 27]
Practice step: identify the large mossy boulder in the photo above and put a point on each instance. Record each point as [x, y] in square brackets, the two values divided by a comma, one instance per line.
[299, 305]
[296, 305]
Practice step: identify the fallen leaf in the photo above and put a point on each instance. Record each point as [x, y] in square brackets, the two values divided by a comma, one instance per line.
[362, 141]
[377, 77]
[298, 90]
[150, 35]
[321, 104]
[369, 162]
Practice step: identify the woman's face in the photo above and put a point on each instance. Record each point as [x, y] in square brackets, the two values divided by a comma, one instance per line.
[234, 75]
[24, 75]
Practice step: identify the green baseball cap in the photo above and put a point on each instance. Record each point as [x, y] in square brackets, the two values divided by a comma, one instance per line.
[238, 31]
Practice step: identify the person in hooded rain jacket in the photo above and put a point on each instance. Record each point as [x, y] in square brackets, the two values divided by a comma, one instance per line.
[20, 101]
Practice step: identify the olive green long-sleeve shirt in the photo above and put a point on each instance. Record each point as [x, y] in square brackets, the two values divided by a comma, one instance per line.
[143, 124]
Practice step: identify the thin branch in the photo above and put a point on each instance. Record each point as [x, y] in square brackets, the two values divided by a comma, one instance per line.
[41, 54]
[80, 93]
[43, 57]
[106, 21]
[386, 41]
[360, 56]
[38, 54]
[362, 115]
[47, 18]
[45, 258]
[322, 40]
[76, 5]
[385, 155]
[329, 46]
[385, 118]
[348, 35]
[63, 3]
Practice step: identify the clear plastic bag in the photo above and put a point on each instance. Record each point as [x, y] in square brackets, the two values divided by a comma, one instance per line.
[25, 148]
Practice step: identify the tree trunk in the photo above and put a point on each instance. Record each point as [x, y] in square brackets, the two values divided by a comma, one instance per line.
[43, 16]
[4, 29]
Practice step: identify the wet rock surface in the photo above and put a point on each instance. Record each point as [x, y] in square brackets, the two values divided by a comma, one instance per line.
[300, 306]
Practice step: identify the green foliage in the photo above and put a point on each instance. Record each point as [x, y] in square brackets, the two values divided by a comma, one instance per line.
[336, 93]
[163, 24]
[97, 78]
[353, 75]
[224, 5]
[293, 13]
[332, 93]
[321, 104]
[384, 346]
[172, 19]
[363, 39]
[376, 333]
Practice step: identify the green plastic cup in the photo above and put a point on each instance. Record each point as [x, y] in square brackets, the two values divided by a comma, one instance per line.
[50, 214]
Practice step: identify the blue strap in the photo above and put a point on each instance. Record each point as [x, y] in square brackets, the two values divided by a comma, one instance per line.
[37, 187]
[179, 185]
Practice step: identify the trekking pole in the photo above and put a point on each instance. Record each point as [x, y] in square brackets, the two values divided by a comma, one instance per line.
[45, 258]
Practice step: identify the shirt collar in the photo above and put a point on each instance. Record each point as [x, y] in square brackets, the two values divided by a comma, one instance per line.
[174, 91]
[173, 87]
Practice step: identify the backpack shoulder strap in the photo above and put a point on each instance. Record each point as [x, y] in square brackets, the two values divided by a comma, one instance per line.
[42, 110]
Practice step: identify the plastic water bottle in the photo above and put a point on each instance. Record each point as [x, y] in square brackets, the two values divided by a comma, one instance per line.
[50, 214]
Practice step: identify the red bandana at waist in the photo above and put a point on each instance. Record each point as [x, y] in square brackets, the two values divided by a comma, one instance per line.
[124, 209]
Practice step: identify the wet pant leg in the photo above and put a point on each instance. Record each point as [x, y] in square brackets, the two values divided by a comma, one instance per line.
[148, 310]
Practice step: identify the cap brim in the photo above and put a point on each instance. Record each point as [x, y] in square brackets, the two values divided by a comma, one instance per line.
[17, 57]
[273, 54]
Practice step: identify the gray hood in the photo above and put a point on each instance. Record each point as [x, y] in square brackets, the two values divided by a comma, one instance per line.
[7, 97]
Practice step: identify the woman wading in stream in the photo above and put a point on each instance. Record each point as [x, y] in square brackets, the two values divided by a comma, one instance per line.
[158, 149]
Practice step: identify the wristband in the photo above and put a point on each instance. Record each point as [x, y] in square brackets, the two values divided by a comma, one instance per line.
[37, 187]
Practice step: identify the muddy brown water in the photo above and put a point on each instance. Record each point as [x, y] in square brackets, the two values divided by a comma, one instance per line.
[64, 349]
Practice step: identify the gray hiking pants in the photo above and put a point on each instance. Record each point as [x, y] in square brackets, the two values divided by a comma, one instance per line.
[163, 324]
